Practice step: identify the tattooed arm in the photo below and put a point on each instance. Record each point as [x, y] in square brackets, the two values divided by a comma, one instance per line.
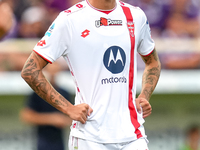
[149, 81]
[33, 75]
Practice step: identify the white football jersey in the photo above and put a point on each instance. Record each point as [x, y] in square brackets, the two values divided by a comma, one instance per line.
[100, 48]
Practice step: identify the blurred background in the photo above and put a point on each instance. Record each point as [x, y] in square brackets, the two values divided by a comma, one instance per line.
[175, 28]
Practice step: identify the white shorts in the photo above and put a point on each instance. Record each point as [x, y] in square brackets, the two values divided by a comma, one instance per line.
[81, 144]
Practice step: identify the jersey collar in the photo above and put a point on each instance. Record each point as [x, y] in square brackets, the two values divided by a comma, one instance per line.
[104, 11]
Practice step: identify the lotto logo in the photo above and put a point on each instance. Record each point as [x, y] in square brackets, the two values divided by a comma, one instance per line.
[85, 33]
[41, 43]
[79, 5]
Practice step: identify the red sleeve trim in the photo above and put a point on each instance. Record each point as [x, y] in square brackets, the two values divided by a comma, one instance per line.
[43, 57]
[148, 54]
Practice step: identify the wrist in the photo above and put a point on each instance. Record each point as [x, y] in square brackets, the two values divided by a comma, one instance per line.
[143, 96]
[68, 109]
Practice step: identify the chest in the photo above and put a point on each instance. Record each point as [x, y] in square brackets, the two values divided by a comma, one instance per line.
[101, 31]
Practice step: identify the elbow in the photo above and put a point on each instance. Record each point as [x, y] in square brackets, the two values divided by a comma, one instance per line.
[23, 75]
[26, 75]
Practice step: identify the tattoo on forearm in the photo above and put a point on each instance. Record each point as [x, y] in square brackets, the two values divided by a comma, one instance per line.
[33, 75]
[151, 75]
[63, 99]
[148, 92]
[30, 63]
[52, 95]
[54, 100]
[42, 88]
[57, 102]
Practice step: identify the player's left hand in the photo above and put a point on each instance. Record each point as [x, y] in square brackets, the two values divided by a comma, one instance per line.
[144, 106]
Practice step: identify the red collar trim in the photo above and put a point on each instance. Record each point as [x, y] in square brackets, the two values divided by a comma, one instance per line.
[104, 11]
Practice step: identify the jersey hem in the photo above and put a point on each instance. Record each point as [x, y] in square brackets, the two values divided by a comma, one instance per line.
[96, 139]
[105, 140]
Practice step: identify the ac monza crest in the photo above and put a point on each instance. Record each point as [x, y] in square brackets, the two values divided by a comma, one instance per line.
[131, 28]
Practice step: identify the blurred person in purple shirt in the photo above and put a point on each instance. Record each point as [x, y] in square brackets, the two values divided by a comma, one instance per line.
[183, 20]
[7, 20]
[45, 12]
[54, 7]
[156, 11]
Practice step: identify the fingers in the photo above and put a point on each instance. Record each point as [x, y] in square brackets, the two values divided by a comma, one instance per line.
[146, 109]
[144, 106]
[90, 111]
[138, 107]
[84, 112]
[83, 119]
[80, 112]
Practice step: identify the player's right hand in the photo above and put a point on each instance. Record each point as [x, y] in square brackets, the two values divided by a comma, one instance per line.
[79, 112]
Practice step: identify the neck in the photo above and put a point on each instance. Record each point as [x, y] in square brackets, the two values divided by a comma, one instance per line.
[103, 4]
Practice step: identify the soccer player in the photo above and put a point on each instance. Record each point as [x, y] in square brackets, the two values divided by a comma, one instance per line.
[99, 40]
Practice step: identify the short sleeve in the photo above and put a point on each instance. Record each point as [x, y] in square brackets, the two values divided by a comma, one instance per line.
[146, 43]
[55, 41]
